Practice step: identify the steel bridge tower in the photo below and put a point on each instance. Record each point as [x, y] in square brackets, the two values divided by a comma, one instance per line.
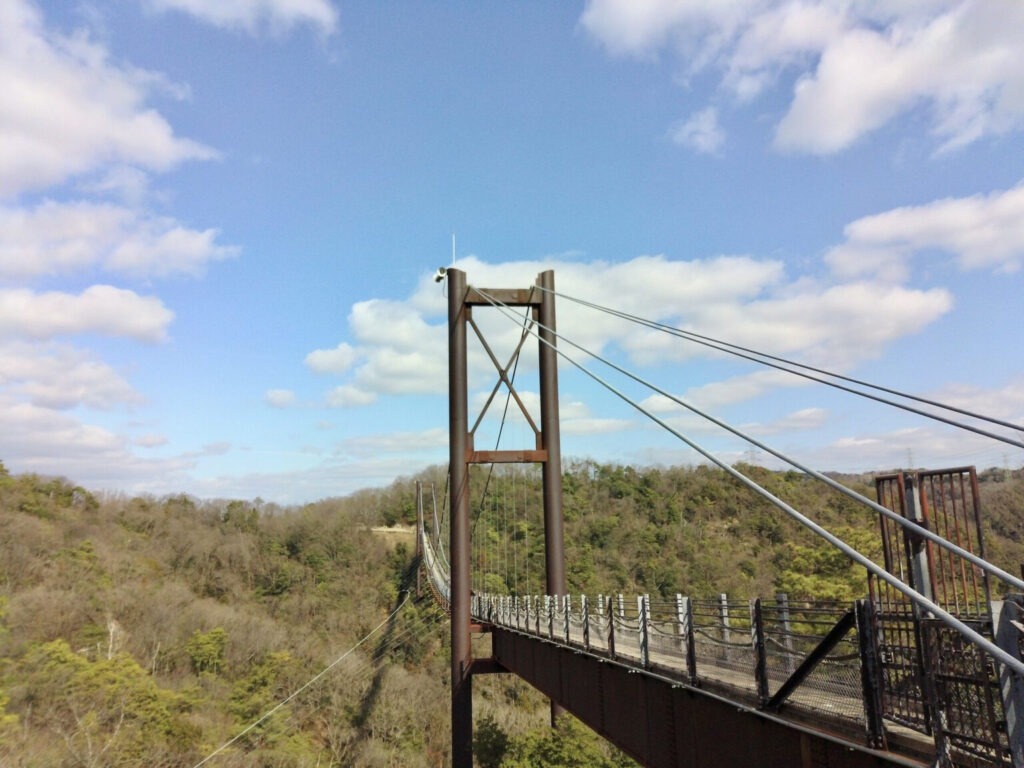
[546, 451]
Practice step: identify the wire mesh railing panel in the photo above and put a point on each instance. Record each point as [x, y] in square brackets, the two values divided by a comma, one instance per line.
[792, 632]
[967, 689]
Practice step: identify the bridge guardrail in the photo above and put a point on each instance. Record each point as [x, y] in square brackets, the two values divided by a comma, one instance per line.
[818, 659]
[753, 648]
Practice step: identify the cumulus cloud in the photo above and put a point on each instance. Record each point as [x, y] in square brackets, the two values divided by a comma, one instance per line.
[804, 419]
[150, 441]
[61, 377]
[1005, 402]
[337, 360]
[395, 442]
[68, 110]
[37, 439]
[55, 238]
[347, 396]
[252, 15]
[981, 232]
[738, 298]
[101, 309]
[701, 132]
[856, 66]
[279, 398]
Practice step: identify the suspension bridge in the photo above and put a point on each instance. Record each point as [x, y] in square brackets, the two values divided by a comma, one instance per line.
[925, 669]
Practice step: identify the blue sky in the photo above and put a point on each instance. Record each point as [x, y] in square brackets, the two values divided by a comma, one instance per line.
[219, 224]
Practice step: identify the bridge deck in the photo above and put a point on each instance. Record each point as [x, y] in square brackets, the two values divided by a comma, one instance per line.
[666, 723]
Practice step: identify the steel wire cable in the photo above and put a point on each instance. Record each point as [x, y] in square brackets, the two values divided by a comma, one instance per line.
[1014, 664]
[269, 713]
[371, 663]
[731, 349]
[899, 519]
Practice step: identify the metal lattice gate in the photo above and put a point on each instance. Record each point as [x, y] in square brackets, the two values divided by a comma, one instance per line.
[932, 679]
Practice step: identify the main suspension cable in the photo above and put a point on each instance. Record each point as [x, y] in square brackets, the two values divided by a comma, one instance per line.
[1013, 663]
[737, 351]
[909, 524]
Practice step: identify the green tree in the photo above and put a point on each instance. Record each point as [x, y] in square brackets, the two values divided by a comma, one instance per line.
[570, 744]
[207, 650]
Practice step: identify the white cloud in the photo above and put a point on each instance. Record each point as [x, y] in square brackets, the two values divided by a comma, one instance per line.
[377, 322]
[738, 298]
[67, 110]
[701, 132]
[35, 439]
[61, 377]
[857, 65]
[337, 360]
[641, 27]
[251, 15]
[981, 231]
[56, 238]
[395, 371]
[99, 309]
[297, 486]
[395, 442]
[1005, 402]
[347, 396]
[804, 419]
[594, 426]
[150, 441]
[736, 389]
[926, 446]
[279, 398]
[659, 404]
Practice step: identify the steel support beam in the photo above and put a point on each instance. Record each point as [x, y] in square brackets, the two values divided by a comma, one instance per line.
[665, 724]
[458, 426]
[821, 650]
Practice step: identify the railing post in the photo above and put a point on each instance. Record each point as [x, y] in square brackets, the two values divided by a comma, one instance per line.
[611, 630]
[536, 608]
[787, 637]
[680, 619]
[760, 662]
[622, 607]
[568, 618]
[691, 641]
[550, 615]
[643, 621]
[870, 673]
[723, 621]
[586, 622]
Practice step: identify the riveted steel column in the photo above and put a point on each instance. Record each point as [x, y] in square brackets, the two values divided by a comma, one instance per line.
[554, 547]
[458, 427]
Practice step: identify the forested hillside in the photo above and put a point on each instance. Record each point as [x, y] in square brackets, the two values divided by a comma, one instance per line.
[149, 631]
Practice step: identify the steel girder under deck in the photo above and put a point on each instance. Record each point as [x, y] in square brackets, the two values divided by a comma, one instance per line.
[665, 724]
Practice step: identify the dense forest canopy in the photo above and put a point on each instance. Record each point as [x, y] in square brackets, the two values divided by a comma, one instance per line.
[149, 631]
